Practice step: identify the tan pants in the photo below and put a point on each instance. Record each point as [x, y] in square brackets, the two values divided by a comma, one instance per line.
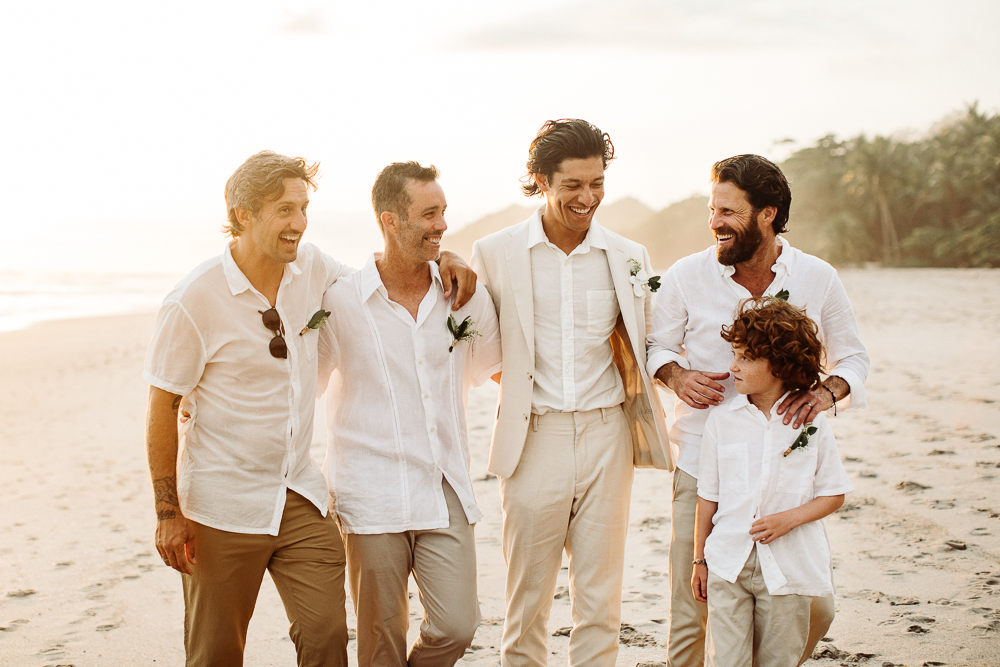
[306, 562]
[686, 639]
[571, 491]
[443, 563]
[749, 626]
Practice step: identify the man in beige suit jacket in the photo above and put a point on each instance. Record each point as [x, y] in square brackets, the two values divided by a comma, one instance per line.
[576, 410]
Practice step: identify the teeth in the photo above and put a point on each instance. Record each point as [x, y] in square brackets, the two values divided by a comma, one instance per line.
[580, 211]
[434, 241]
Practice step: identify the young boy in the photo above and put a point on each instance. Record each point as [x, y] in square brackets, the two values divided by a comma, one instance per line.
[760, 550]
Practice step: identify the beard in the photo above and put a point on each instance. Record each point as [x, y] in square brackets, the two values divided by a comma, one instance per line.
[745, 243]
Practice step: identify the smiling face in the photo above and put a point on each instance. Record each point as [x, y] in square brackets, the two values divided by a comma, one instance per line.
[738, 229]
[275, 231]
[571, 196]
[754, 377]
[419, 236]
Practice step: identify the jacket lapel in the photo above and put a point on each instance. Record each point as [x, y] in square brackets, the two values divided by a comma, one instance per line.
[519, 274]
[620, 274]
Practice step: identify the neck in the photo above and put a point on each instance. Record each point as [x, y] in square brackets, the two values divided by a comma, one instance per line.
[561, 237]
[755, 274]
[764, 401]
[263, 273]
[402, 274]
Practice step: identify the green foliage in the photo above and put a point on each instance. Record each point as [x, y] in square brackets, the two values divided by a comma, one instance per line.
[932, 201]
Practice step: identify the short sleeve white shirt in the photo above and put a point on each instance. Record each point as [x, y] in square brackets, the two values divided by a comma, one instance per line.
[744, 469]
[698, 295]
[250, 431]
[396, 403]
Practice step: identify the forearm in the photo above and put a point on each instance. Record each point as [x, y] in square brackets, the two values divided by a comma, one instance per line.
[837, 386]
[667, 374]
[161, 451]
[814, 510]
[703, 525]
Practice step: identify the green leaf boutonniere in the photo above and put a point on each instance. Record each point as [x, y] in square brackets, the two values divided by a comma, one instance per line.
[782, 295]
[464, 331]
[640, 279]
[316, 321]
[803, 440]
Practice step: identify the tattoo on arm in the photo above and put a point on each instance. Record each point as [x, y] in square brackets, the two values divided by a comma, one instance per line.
[162, 515]
[165, 491]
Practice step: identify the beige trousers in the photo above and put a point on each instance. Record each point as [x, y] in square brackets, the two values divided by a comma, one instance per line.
[443, 562]
[686, 638]
[571, 491]
[306, 562]
[749, 627]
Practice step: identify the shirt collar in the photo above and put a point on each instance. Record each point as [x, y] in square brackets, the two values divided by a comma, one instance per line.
[782, 266]
[595, 237]
[371, 280]
[239, 283]
[743, 401]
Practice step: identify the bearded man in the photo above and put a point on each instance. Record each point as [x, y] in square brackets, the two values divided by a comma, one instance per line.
[749, 208]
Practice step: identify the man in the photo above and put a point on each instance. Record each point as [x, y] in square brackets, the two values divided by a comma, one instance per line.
[576, 410]
[748, 208]
[398, 457]
[237, 491]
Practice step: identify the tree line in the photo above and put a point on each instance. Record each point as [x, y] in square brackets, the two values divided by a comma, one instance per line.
[930, 201]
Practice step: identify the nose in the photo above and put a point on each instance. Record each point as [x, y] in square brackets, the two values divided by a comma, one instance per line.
[439, 224]
[300, 222]
[713, 221]
[587, 197]
[733, 367]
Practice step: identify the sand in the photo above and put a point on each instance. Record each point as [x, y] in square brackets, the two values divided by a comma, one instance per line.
[916, 547]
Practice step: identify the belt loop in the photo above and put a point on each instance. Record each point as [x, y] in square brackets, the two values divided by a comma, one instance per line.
[534, 422]
[604, 415]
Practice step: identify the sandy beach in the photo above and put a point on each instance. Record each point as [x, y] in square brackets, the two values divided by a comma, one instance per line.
[916, 547]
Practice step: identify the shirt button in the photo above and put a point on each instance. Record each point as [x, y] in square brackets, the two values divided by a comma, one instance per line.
[525, 417]
[427, 395]
[420, 361]
[432, 429]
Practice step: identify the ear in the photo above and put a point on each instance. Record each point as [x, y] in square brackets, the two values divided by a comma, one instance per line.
[768, 215]
[390, 221]
[542, 181]
[244, 216]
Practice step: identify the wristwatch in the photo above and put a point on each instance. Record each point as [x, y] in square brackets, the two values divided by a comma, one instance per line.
[699, 561]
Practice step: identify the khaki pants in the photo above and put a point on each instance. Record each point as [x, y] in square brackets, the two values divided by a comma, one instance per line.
[571, 491]
[443, 563]
[749, 626]
[306, 562]
[686, 639]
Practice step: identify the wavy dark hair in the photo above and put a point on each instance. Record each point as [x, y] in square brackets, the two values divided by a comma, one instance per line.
[262, 177]
[563, 139]
[773, 329]
[763, 182]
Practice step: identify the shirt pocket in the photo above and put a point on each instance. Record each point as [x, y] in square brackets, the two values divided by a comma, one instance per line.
[797, 471]
[734, 463]
[602, 312]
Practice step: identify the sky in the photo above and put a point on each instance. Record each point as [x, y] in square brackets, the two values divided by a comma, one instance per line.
[120, 122]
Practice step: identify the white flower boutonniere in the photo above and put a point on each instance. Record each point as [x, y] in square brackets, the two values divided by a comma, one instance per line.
[640, 279]
[803, 440]
[316, 321]
[464, 331]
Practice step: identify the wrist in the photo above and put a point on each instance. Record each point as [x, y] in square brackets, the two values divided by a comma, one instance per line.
[699, 561]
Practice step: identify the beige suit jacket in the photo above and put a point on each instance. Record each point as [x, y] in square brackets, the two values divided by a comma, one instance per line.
[503, 264]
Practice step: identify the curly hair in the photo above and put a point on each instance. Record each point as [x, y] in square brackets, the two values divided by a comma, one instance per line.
[773, 329]
[262, 177]
[563, 139]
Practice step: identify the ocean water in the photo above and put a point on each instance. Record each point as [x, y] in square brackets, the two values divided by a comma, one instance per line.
[30, 296]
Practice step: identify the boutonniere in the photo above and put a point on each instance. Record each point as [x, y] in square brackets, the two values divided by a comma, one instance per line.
[316, 321]
[464, 331]
[640, 279]
[782, 295]
[803, 440]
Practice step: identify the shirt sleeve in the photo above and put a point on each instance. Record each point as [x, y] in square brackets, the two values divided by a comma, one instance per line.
[327, 348]
[484, 355]
[176, 358]
[846, 355]
[831, 478]
[335, 269]
[708, 466]
[666, 342]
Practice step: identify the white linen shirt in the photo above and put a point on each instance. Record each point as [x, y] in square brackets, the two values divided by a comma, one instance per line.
[396, 403]
[743, 468]
[576, 309]
[251, 420]
[698, 296]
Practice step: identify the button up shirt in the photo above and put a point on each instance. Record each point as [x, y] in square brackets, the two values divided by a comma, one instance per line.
[743, 468]
[698, 296]
[248, 438]
[396, 403]
[576, 309]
